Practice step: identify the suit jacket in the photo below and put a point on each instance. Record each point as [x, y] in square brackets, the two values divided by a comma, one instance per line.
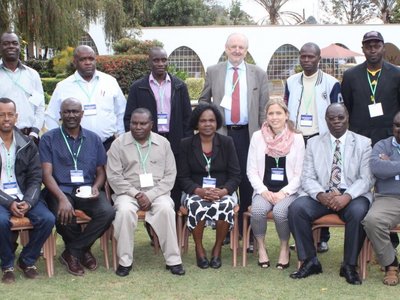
[356, 94]
[257, 93]
[141, 95]
[318, 165]
[256, 164]
[224, 164]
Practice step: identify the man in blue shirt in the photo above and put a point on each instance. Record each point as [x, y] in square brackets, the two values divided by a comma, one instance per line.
[73, 157]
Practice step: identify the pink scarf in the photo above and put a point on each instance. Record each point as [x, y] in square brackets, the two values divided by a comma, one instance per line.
[279, 145]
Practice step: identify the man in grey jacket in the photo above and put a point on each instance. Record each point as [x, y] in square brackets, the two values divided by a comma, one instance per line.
[385, 211]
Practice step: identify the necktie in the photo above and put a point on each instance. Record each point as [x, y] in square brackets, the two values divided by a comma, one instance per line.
[235, 111]
[336, 172]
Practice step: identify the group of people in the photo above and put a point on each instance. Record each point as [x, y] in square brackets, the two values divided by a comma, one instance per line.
[303, 156]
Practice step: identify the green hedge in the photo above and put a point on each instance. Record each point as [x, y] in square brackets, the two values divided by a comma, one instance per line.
[125, 68]
[195, 86]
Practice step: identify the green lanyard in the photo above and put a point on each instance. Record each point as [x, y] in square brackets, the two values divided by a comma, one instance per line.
[143, 159]
[88, 95]
[9, 161]
[208, 165]
[373, 88]
[16, 81]
[277, 161]
[74, 155]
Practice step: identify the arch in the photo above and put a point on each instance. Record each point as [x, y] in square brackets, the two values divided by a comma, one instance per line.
[283, 62]
[249, 59]
[392, 54]
[87, 40]
[186, 59]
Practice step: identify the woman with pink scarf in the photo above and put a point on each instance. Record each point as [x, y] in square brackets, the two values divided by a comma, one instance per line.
[274, 168]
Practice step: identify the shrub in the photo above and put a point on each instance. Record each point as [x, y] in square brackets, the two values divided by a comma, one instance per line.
[43, 67]
[49, 84]
[125, 68]
[62, 62]
[131, 46]
[195, 86]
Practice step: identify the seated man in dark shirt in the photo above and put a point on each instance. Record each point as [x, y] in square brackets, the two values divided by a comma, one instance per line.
[73, 161]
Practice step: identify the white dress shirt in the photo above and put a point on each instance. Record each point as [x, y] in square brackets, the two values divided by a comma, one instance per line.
[102, 90]
[24, 87]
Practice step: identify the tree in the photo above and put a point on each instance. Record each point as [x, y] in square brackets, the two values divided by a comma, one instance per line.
[350, 11]
[386, 9]
[275, 15]
[237, 15]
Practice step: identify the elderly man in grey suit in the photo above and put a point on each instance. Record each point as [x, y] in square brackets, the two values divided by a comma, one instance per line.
[336, 179]
[240, 92]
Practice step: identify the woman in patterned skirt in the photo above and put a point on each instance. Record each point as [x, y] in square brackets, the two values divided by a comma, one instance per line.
[209, 173]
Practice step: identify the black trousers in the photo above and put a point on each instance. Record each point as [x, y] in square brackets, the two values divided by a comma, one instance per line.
[304, 210]
[241, 139]
[77, 242]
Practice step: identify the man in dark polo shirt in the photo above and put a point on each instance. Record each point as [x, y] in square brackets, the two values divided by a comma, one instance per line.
[73, 157]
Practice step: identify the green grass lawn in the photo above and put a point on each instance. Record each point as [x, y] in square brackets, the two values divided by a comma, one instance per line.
[150, 280]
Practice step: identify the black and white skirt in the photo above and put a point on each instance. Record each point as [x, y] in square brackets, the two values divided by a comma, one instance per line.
[199, 210]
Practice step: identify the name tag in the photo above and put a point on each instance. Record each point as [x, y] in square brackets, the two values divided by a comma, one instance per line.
[226, 102]
[306, 120]
[209, 182]
[162, 119]
[90, 109]
[146, 180]
[397, 177]
[10, 188]
[375, 110]
[76, 176]
[277, 174]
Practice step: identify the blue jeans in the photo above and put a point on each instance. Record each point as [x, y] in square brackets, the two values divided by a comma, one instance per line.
[43, 222]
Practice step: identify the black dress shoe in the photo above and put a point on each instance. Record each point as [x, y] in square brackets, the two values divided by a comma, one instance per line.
[322, 247]
[202, 262]
[350, 273]
[215, 262]
[176, 270]
[307, 268]
[123, 271]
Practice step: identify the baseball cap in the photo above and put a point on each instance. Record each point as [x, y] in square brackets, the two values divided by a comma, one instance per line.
[372, 35]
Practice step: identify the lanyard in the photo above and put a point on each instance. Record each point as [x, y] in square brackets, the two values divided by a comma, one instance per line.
[208, 165]
[161, 93]
[237, 81]
[85, 90]
[74, 155]
[16, 81]
[143, 159]
[9, 161]
[373, 88]
[277, 161]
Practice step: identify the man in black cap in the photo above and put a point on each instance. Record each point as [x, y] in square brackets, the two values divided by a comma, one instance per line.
[371, 93]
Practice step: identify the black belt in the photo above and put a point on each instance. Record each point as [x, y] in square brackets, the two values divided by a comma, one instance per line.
[237, 127]
[307, 137]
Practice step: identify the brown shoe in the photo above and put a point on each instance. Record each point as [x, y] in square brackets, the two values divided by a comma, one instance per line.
[72, 263]
[30, 272]
[391, 276]
[8, 276]
[89, 261]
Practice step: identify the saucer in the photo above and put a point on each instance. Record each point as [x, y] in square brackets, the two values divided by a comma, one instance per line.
[83, 195]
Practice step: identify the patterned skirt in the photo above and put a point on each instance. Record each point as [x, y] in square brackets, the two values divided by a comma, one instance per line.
[199, 210]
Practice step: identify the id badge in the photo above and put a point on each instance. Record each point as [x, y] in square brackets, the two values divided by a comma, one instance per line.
[146, 180]
[162, 119]
[10, 188]
[209, 182]
[90, 109]
[397, 177]
[306, 120]
[277, 174]
[76, 176]
[226, 102]
[375, 110]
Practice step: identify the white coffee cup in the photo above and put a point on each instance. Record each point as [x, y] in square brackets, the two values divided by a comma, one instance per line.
[84, 191]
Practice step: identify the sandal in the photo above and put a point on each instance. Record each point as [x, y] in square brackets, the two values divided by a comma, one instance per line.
[391, 276]
[264, 264]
